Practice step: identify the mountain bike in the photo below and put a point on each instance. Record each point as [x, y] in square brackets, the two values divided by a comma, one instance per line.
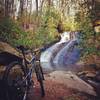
[18, 76]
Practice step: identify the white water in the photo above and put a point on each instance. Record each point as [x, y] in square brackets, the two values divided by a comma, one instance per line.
[47, 57]
[69, 55]
[54, 57]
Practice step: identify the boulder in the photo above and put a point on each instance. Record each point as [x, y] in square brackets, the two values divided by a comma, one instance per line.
[72, 81]
[8, 48]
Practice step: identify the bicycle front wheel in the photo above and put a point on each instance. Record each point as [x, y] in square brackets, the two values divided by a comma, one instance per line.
[16, 82]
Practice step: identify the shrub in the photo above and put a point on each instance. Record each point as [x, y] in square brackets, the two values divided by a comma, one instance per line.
[12, 33]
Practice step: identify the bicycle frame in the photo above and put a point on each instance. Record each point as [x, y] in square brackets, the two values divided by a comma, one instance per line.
[23, 81]
[37, 68]
[29, 71]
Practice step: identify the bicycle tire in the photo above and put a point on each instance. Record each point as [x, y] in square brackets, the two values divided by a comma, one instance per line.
[17, 87]
[42, 88]
[41, 70]
[40, 78]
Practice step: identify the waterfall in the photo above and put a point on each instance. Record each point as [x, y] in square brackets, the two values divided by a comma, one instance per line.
[67, 55]
[56, 56]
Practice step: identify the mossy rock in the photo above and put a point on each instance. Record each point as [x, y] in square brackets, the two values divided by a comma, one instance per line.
[8, 48]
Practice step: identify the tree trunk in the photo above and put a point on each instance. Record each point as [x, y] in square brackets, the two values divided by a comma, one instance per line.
[36, 7]
[6, 7]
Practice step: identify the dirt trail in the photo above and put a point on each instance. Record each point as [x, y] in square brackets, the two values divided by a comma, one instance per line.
[56, 91]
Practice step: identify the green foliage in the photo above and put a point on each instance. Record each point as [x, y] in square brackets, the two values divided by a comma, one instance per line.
[8, 29]
[87, 34]
[70, 24]
[12, 33]
[47, 32]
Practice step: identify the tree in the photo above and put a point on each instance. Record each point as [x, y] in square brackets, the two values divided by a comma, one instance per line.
[36, 7]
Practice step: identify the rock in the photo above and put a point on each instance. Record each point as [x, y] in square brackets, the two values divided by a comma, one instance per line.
[87, 73]
[97, 77]
[72, 81]
[92, 75]
[8, 48]
[96, 86]
[7, 58]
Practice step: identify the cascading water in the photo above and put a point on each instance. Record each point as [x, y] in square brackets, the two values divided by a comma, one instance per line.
[56, 56]
[67, 56]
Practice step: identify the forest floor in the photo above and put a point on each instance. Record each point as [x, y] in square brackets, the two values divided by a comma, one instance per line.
[57, 90]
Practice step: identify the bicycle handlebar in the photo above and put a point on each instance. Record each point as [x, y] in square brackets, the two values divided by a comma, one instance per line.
[26, 50]
[39, 49]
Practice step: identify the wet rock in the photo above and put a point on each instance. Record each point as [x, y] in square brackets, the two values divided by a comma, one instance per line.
[97, 77]
[72, 81]
[96, 86]
[90, 74]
